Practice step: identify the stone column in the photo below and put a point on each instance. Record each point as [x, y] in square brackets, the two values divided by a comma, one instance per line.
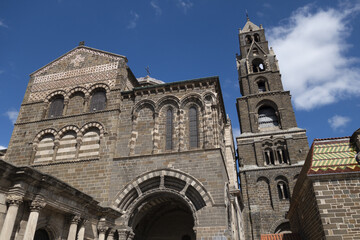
[7, 229]
[111, 234]
[122, 234]
[66, 103]
[73, 227]
[81, 232]
[131, 235]
[35, 208]
[102, 231]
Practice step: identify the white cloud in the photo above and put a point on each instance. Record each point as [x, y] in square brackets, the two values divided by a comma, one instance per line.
[133, 20]
[338, 121]
[185, 4]
[2, 147]
[311, 48]
[2, 24]
[12, 115]
[155, 5]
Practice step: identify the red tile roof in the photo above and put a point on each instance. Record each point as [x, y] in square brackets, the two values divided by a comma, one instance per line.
[280, 236]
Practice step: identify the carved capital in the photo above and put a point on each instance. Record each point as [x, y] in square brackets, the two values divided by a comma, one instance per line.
[37, 204]
[131, 235]
[111, 232]
[102, 229]
[14, 199]
[75, 219]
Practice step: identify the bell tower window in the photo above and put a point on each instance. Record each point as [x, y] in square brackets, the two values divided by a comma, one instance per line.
[283, 190]
[258, 65]
[267, 117]
[248, 39]
[261, 86]
[256, 37]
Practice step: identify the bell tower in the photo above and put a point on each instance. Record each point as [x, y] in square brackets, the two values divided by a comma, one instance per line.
[271, 148]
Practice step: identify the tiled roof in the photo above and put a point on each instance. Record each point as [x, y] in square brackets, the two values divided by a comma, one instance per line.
[333, 155]
[280, 236]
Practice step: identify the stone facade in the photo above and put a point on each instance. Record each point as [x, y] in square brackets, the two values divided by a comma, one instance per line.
[271, 148]
[88, 122]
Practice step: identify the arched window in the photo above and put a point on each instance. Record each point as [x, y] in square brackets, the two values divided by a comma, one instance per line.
[261, 86]
[248, 39]
[283, 190]
[269, 157]
[67, 146]
[282, 156]
[98, 100]
[193, 128]
[45, 148]
[56, 106]
[255, 51]
[258, 65]
[90, 145]
[169, 129]
[267, 117]
[256, 37]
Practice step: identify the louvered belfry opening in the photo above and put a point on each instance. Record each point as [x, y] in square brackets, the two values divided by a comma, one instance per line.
[98, 100]
[267, 117]
[169, 129]
[193, 127]
[56, 106]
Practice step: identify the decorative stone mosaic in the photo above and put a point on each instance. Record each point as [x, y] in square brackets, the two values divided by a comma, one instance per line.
[75, 73]
[75, 52]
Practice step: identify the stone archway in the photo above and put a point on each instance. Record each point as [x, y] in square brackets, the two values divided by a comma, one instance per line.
[162, 216]
[41, 234]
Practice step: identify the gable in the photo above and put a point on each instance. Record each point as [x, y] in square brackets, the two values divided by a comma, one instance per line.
[82, 66]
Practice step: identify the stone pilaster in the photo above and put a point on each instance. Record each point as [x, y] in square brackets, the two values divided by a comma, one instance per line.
[14, 203]
[35, 207]
[73, 227]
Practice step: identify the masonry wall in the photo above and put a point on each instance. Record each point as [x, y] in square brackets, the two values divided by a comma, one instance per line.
[305, 217]
[338, 201]
[264, 212]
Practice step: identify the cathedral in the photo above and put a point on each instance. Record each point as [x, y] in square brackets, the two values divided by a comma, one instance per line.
[97, 153]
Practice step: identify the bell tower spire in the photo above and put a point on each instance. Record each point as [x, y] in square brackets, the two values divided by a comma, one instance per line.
[271, 148]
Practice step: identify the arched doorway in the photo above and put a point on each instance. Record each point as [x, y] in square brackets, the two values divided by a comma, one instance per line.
[41, 234]
[162, 216]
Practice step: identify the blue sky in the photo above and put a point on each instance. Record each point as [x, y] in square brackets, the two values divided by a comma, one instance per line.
[317, 44]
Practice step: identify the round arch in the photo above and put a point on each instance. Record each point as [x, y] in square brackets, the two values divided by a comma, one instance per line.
[154, 209]
[178, 181]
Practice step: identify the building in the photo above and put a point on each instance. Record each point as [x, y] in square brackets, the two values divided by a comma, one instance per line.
[98, 154]
[326, 200]
[271, 147]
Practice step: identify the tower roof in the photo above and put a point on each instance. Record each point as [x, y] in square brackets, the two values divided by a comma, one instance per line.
[250, 26]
